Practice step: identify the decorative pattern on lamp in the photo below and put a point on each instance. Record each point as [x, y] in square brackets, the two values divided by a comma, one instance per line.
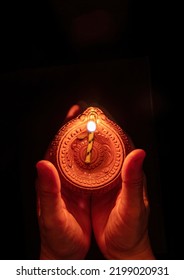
[89, 160]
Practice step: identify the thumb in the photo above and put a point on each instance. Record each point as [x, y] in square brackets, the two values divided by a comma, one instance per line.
[48, 190]
[133, 180]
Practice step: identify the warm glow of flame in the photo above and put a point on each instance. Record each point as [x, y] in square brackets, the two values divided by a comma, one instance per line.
[91, 126]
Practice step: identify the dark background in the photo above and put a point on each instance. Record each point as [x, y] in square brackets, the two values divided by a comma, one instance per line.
[40, 40]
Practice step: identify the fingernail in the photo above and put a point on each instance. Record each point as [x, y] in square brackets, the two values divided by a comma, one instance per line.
[137, 164]
[39, 172]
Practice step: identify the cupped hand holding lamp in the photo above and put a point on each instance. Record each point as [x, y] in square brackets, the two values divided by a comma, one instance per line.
[68, 211]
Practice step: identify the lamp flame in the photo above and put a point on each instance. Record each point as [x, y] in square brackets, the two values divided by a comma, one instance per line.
[91, 126]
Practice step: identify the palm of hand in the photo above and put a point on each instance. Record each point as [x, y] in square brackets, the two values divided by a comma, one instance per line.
[63, 217]
[117, 232]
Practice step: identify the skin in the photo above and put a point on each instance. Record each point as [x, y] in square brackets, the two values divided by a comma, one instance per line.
[118, 218]
[64, 219]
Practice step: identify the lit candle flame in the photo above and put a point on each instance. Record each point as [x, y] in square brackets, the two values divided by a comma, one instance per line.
[91, 127]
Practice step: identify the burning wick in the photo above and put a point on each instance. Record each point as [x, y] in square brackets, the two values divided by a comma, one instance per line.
[91, 127]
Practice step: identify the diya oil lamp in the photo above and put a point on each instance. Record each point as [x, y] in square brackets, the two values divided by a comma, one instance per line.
[88, 152]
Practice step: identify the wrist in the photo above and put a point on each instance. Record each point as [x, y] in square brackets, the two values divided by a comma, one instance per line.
[46, 254]
[141, 251]
[146, 254]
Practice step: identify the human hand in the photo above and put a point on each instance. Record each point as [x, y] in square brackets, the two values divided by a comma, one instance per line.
[120, 216]
[63, 216]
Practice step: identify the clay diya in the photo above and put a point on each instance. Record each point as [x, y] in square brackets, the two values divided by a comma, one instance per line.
[88, 152]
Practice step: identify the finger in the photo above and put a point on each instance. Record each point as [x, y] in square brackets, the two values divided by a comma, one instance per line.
[133, 179]
[48, 191]
[75, 110]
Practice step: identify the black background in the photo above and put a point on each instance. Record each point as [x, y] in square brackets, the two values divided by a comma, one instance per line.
[32, 39]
